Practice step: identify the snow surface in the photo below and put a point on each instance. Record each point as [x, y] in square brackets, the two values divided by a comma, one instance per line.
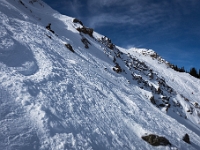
[51, 98]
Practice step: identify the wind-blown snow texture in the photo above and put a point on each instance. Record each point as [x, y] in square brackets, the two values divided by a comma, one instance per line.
[101, 97]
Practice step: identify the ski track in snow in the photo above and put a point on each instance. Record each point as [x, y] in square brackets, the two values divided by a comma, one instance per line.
[51, 98]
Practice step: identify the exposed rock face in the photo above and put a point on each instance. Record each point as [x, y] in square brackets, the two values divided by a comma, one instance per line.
[186, 138]
[152, 100]
[117, 68]
[69, 47]
[86, 30]
[156, 140]
[77, 21]
[106, 41]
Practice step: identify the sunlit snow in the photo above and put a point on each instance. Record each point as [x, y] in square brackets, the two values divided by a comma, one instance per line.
[54, 99]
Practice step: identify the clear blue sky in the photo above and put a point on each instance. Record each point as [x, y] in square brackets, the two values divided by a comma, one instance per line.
[170, 27]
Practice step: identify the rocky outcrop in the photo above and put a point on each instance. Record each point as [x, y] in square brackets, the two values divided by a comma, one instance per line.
[77, 21]
[48, 27]
[156, 140]
[86, 30]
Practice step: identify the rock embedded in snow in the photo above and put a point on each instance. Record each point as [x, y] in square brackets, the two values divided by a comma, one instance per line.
[75, 20]
[156, 140]
[69, 47]
[186, 138]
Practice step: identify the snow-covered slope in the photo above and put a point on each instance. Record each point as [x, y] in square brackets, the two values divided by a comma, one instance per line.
[63, 89]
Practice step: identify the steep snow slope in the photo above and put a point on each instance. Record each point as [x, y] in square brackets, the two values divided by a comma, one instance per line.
[100, 97]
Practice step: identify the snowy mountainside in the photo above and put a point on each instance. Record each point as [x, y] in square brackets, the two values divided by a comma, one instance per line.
[64, 86]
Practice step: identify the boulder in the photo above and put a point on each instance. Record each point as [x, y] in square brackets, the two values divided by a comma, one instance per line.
[152, 100]
[117, 68]
[85, 30]
[186, 138]
[156, 140]
[69, 47]
[48, 27]
[77, 21]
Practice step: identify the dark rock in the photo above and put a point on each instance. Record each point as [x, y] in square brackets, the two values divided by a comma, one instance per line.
[48, 27]
[52, 31]
[111, 45]
[196, 105]
[69, 47]
[21, 2]
[106, 41]
[114, 60]
[156, 140]
[85, 30]
[48, 36]
[186, 138]
[85, 42]
[165, 97]
[154, 55]
[168, 106]
[32, 1]
[117, 68]
[159, 91]
[77, 21]
[162, 105]
[152, 100]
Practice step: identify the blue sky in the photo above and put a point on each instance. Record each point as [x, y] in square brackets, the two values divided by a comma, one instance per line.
[170, 27]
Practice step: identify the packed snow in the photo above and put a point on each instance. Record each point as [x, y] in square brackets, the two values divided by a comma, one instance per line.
[98, 97]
